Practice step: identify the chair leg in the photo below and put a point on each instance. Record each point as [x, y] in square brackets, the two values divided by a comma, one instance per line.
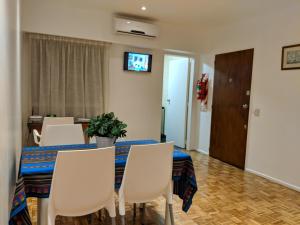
[134, 210]
[89, 219]
[42, 211]
[167, 215]
[122, 218]
[143, 208]
[113, 221]
[171, 214]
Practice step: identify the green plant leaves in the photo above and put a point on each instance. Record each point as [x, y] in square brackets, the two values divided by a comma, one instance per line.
[106, 125]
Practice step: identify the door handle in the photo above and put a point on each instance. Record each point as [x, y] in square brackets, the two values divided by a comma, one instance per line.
[245, 106]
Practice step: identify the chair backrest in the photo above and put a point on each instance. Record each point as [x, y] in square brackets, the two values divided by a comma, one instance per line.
[148, 172]
[56, 121]
[92, 140]
[65, 134]
[83, 181]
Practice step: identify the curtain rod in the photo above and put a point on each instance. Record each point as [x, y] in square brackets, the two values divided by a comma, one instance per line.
[41, 36]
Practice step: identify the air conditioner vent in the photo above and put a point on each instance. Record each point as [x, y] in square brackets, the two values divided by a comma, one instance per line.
[125, 26]
[138, 32]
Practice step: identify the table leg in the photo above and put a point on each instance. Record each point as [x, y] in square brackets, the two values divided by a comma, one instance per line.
[42, 217]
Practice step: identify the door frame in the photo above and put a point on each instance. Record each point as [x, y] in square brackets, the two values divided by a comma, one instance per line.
[189, 100]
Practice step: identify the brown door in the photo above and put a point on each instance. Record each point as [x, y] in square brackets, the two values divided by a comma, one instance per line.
[230, 108]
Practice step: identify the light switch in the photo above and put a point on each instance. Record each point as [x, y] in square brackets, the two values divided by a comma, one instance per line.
[257, 112]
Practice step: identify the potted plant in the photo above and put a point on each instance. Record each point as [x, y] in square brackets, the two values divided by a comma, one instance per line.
[107, 128]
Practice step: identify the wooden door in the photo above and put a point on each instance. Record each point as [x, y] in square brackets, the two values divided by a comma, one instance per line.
[230, 108]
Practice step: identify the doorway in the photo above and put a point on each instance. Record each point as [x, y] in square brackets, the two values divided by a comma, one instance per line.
[178, 71]
[230, 108]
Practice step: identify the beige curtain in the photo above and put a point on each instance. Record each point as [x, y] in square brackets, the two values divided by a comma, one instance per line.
[63, 76]
[67, 75]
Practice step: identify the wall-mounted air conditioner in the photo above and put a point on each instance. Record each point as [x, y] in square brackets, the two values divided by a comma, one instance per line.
[132, 27]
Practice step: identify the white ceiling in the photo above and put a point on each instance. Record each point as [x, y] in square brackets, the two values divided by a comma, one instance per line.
[202, 13]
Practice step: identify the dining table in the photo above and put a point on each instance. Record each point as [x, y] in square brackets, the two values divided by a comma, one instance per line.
[37, 165]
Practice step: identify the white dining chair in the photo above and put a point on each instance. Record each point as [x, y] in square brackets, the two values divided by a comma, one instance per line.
[148, 175]
[83, 183]
[50, 121]
[92, 140]
[65, 134]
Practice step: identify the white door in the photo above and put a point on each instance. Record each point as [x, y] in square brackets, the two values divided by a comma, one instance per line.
[176, 100]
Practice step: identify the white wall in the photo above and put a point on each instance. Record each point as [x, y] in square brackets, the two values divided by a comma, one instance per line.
[203, 117]
[10, 138]
[136, 97]
[61, 18]
[272, 141]
[273, 138]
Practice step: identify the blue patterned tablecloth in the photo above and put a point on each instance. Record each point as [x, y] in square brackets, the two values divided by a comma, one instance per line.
[37, 164]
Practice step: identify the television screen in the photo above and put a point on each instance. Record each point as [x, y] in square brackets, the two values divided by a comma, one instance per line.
[137, 62]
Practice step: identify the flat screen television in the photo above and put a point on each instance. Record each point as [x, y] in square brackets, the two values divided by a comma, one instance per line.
[138, 62]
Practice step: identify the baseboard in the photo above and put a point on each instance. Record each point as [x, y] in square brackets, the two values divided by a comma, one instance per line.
[202, 151]
[275, 180]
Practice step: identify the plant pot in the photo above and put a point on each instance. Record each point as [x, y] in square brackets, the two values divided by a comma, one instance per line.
[103, 142]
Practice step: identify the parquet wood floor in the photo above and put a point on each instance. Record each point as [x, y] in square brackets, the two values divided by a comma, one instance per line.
[226, 196]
